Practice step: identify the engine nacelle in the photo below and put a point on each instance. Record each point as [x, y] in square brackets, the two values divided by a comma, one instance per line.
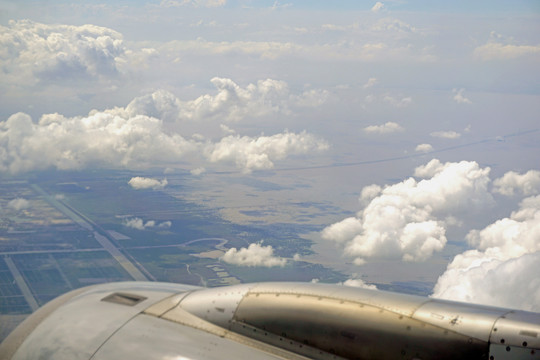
[141, 320]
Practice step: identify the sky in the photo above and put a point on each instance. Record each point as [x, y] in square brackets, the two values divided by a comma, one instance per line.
[418, 120]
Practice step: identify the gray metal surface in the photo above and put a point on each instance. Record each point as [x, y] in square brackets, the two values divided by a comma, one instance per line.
[216, 305]
[141, 320]
[517, 328]
[471, 320]
[82, 324]
[516, 335]
[399, 303]
[362, 323]
[147, 337]
[354, 330]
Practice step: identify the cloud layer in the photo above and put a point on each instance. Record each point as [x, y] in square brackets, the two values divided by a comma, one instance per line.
[513, 183]
[74, 143]
[39, 52]
[231, 103]
[502, 270]
[260, 153]
[408, 220]
[137, 136]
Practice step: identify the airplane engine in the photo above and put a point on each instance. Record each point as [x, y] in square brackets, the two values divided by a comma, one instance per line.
[152, 320]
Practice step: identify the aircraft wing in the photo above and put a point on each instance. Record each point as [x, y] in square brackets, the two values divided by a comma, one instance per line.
[151, 320]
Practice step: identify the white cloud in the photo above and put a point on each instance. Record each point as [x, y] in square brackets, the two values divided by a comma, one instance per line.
[358, 283]
[459, 98]
[231, 102]
[160, 104]
[386, 128]
[512, 182]
[139, 224]
[498, 51]
[501, 47]
[135, 223]
[140, 183]
[164, 225]
[446, 134]
[380, 46]
[79, 142]
[263, 49]
[134, 137]
[226, 130]
[370, 83]
[399, 29]
[407, 220]
[333, 27]
[369, 193]
[386, 31]
[40, 52]
[260, 153]
[198, 171]
[310, 98]
[254, 255]
[399, 103]
[19, 204]
[504, 263]
[379, 6]
[423, 148]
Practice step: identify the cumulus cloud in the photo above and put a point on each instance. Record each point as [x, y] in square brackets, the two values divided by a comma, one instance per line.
[396, 26]
[260, 153]
[19, 204]
[512, 183]
[379, 6]
[136, 137]
[504, 263]
[369, 193]
[35, 52]
[198, 171]
[254, 255]
[353, 282]
[139, 224]
[399, 103]
[226, 130]
[140, 183]
[370, 83]
[231, 102]
[79, 142]
[386, 128]
[423, 148]
[502, 48]
[459, 98]
[446, 134]
[408, 220]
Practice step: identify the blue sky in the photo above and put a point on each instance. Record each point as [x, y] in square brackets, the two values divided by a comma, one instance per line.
[419, 98]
